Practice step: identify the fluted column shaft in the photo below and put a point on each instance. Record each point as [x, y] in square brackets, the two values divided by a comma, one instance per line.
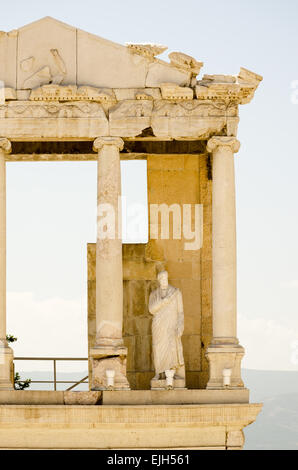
[109, 277]
[224, 270]
[224, 353]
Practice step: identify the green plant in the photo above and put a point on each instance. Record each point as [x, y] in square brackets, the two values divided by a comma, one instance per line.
[11, 338]
[18, 383]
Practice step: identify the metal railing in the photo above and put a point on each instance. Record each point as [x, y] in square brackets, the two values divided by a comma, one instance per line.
[55, 381]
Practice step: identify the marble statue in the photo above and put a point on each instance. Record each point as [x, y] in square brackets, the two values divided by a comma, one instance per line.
[166, 306]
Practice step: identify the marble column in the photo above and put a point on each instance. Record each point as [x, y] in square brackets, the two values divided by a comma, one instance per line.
[6, 353]
[109, 352]
[224, 352]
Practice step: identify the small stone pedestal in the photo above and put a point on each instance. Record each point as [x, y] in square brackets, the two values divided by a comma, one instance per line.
[109, 358]
[222, 357]
[161, 384]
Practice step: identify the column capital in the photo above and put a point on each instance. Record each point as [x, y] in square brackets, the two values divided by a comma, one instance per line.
[223, 141]
[5, 145]
[102, 141]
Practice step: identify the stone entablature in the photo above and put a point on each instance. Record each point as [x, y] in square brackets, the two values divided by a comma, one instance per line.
[171, 111]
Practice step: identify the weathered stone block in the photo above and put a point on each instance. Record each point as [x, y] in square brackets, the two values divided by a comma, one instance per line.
[191, 162]
[129, 343]
[143, 380]
[192, 379]
[143, 356]
[172, 162]
[179, 270]
[138, 298]
[192, 352]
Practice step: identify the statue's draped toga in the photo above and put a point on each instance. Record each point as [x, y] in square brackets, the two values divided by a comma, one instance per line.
[167, 328]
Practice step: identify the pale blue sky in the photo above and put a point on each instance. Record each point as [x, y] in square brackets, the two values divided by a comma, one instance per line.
[51, 207]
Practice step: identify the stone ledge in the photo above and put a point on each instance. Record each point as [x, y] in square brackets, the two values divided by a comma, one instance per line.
[31, 397]
[45, 397]
[218, 414]
[124, 427]
[124, 397]
[174, 397]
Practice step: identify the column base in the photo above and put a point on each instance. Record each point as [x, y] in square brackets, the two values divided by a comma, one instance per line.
[105, 358]
[224, 356]
[6, 368]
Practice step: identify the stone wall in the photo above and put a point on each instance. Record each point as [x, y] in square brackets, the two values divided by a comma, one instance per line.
[182, 179]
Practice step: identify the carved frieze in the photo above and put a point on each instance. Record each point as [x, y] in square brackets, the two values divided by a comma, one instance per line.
[167, 118]
[130, 117]
[194, 108]
[190, 119]
[25, 109]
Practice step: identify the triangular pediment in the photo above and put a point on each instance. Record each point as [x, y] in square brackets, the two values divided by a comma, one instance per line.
[50, 51]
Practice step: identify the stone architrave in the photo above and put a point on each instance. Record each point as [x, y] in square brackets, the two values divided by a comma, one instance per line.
[6, 353]
[166, 306]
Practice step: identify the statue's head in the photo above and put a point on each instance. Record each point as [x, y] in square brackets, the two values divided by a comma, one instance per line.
[162, 278]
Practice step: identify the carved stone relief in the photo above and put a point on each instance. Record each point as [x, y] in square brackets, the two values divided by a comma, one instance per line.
[26, 109]
[131, 117]
[44, 75]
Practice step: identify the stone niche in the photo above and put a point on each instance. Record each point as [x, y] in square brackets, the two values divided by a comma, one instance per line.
[182, 179]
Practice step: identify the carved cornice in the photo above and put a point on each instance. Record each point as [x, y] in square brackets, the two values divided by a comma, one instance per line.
[145, 49]
[5, 145]
[223, 141]
[143, 96]
[228, 88]
[72, 93]
[171, 91]
[100, 142]
[185, 62]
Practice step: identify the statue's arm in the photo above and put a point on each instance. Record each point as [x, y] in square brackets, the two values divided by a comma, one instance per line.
[155, 304]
